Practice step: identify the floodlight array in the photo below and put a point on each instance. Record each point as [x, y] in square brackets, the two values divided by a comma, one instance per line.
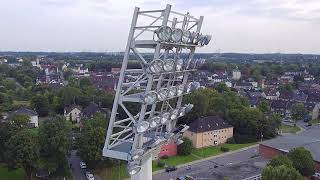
[162, 118]
[162, 94]
[176, 35]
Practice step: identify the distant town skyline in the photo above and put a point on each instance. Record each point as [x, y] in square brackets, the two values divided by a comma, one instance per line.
[244, 26]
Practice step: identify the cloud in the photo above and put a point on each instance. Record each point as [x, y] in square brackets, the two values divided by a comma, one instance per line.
[98, 25]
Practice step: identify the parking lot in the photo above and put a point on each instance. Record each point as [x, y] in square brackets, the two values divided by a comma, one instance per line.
[236, 166]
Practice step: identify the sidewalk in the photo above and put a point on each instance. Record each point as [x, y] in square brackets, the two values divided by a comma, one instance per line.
[208, 158]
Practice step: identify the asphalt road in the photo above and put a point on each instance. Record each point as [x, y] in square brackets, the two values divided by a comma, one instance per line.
[238, 165]
[77, 172]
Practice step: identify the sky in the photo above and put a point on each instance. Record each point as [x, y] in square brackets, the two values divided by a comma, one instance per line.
[245, 26]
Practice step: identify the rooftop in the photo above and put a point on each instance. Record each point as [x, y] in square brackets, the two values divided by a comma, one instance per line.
[209, 123]
[309, 139]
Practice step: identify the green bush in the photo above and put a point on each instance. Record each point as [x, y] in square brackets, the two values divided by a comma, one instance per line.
[302, 161]
[165, 157]
[224, 149]
[231, 141]
[160, 164]
[185, 148]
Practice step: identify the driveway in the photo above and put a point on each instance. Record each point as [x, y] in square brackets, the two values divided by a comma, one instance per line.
[238, 165]
[76, 171]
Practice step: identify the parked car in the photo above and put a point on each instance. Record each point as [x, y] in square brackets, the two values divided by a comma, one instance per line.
[186, 178]
[89, 175]
[83, 165]
[170, 168]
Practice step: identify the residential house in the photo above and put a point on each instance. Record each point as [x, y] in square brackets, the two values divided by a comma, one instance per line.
[236, 74]
[34, 121]
[167, 149]
[280, 107]
[208, 131]
[243, 85]
[286, 95]
[93, 109]
[271, 94]
[300, 97]
[315, 112]
[72, 113]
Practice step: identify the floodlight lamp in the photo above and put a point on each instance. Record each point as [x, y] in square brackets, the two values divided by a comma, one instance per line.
[136, 154]
[142, 126]
[199, 39]
[156, 66]
[186, 35]
[193, 37]
[150, 97]
[176, 35]
[184, 129]
[172, 91]
[180, 89]
[188, 107]
[157, 140]
[174, 114]
[188, 87]
[154, 121]
[179, 141]
[207, 39]
[182, 111]
[165, 117]
[179, 64]
[133, 168]
[164, 33]
[163, 94]
[168, 65]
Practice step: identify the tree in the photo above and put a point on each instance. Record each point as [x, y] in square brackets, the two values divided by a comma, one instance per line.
[55, 142]
[91, 140]
[18, 122]
[41, 104]
[302, 161]
[297, 112]
[280, 173]
[186, 147]
[280, 160]
[263, 106]
[22, 150]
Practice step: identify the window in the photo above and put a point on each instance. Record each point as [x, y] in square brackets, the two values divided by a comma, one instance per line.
[215, 142]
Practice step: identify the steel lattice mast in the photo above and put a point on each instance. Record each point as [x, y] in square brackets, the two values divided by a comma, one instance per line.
[122, 136]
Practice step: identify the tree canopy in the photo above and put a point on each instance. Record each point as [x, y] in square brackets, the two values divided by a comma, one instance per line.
[302, 161]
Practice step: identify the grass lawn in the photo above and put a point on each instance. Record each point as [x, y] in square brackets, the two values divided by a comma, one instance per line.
[34, 130]
[289, 129]
[315, 121]
[113, 173]
[23, 103]
[198, 154]
[12, 174]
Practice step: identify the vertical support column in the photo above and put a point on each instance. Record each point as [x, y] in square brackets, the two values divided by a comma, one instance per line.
[121, 78]
[146, 169]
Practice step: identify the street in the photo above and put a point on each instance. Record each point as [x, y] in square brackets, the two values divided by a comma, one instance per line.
[76, 171]
[238, 165]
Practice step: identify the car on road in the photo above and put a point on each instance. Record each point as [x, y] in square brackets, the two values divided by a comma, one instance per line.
[170, 168]
[89, 176]
[83, 165]
[186, 178]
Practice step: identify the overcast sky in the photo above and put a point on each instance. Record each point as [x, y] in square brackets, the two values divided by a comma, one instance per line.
[254, 26]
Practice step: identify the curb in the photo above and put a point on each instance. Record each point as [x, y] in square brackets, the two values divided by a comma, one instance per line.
[208, 158]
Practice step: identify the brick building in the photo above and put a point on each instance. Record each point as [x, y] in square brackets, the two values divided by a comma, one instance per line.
[309, 139]
[209, 131]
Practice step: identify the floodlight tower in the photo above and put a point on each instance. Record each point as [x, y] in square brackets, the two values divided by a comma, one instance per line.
[157, 87]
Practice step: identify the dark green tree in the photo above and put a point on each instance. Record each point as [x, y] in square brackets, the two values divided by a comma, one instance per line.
[280, 173]
[280, 160]
[55, 142]
[302, 161]
[298, 112]
[185, 148]
[22, 150]
[41, 104]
